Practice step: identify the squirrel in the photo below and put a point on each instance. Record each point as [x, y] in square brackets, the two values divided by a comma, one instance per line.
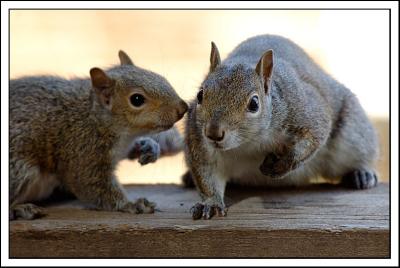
[72, 133]
[268, 115]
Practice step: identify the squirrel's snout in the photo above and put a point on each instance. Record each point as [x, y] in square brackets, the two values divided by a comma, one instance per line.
[182, 109]
[214, 133]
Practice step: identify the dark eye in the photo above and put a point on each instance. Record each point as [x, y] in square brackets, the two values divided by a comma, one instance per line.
[200, 97]
[137, 100]
[253, 104]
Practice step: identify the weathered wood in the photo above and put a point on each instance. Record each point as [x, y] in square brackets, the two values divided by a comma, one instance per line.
[319, 221]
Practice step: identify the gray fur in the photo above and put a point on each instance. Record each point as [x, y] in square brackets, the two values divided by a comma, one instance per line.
[70, 133]
[308, 124]
[146, 149]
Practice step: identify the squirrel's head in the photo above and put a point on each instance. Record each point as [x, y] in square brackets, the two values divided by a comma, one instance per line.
[138, 100]
[233, 104]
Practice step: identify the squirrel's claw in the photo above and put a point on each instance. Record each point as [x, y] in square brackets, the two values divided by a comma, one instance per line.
[207, 211]
[197, 211]
[26, 211]
[142, 205]
[360, 179]
[147, 149]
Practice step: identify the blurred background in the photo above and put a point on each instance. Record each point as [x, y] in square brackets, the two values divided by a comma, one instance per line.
[353, 46]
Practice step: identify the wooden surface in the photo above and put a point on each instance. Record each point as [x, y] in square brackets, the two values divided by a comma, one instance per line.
[319, 221]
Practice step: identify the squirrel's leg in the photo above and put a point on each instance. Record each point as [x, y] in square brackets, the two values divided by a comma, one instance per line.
[353, 148]
[211, 188]
[170, 141]
[108, 194]
[26, 184]
[279, 164]
[149, 148]
[359, 147]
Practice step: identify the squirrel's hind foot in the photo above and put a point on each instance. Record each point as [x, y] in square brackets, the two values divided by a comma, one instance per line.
[26, 212]
[142, 205]
[360, 179]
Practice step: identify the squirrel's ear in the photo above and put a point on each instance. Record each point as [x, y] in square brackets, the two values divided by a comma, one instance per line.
[264, 68]
[102, 86]
[215, 59]
[124, 58]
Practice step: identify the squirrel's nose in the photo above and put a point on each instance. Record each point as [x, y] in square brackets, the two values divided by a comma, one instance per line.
[182, 109]
[215, 133]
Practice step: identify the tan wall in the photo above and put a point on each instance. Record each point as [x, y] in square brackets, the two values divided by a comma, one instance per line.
[351, 45]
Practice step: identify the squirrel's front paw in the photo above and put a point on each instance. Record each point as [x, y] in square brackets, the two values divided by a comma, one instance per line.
[142, 205]
[147, 149]
[275, 167]
[207, 210]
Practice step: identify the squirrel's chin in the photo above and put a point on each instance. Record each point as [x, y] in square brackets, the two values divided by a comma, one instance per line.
[159, 128]
[165, 127]
[222, 147]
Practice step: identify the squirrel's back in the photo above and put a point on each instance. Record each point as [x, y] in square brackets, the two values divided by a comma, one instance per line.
[41, 103]
[250, 51]
[290, 60]
[45, 93]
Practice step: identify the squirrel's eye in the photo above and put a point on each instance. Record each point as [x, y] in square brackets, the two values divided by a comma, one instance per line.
[200, 97]
[253, 104]
[137, 100]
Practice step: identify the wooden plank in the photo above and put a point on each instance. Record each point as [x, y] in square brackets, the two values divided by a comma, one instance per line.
[318, 221]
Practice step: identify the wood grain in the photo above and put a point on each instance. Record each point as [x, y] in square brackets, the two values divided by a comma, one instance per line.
[318, 221]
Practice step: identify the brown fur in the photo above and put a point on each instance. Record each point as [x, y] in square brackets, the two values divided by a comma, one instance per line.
[74, 132]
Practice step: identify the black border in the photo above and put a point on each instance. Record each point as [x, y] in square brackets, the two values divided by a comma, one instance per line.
[216, 9]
